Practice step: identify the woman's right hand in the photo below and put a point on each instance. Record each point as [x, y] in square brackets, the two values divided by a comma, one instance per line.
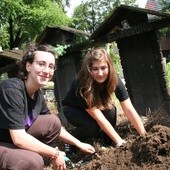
[59, 162]
[85, 147]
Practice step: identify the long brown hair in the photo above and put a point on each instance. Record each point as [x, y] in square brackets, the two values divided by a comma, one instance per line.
[96, 95]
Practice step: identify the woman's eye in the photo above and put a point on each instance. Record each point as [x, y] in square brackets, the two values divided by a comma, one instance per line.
[94, 69]
[103, 68]
[51, 67]
[41, 64]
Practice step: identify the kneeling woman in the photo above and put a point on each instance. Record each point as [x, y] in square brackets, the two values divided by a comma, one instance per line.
[27, 128]
[89, 104]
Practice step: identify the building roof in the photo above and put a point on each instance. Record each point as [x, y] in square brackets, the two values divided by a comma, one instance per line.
[53, 31]
[71, 30]
[9, 59]
[120, 14]
[15, 54]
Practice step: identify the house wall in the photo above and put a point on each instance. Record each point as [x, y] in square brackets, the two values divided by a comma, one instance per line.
[68, 66]
[143, 70]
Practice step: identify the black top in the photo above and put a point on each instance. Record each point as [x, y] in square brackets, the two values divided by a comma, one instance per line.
[73, 100]
[17, 109]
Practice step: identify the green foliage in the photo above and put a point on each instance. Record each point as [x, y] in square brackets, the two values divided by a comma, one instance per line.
[168, 73]
[115, 57]
[49, 85]
[3, 76]
[61, 49]
[89, 15]
[29, 18]
[165, 5]
[80, 14]
[4, 37]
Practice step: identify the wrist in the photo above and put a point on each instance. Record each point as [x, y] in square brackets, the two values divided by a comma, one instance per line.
[78, 144]
[120, 143]
[142, 133]
[55, 156]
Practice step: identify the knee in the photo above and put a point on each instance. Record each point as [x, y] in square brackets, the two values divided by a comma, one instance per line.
[54, 123]
[36, 162]
[24, 160]
[50, 129]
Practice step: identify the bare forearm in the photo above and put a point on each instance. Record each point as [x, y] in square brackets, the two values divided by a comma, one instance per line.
[68, 138]
[25, 141]
[104, 124]
[110, 131]
[137, 123]
[133, 116]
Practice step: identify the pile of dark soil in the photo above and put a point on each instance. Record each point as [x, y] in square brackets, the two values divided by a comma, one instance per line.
[149, 152]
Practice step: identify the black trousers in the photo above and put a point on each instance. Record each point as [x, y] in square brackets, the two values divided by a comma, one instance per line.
[85, 126]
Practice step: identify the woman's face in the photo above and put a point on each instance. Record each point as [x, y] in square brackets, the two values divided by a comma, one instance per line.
[42, 69]
[99, 71]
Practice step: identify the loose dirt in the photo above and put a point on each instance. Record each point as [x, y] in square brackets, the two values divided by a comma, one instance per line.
[149, 152]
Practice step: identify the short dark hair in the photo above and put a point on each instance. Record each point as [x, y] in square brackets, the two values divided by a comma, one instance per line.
[29, 57]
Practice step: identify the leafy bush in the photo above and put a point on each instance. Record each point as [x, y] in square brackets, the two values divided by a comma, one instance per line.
[168, 73]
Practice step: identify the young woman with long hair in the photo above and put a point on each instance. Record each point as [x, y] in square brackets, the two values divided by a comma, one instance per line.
[89, 104]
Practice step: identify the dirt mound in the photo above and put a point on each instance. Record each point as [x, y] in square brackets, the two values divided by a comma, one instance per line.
[149, 152]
